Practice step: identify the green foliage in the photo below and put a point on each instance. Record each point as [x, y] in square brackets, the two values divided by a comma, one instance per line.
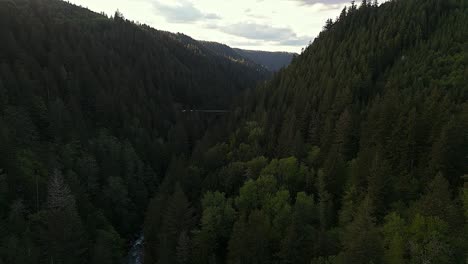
[216, 224]
[465, 201]
[177, 219]
[347, 140]
[298, 242]
[395, 237]
[108, 247]
[255, 166]
[437, 202]
[254, 194]
[64, 233]
[428, 240]
[361, 237]
[250, 242]
[332, 161]
[100, 100]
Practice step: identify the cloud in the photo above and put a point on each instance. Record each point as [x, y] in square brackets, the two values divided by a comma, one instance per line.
[326, 2]
[246, 43]
[324, 8]
[212, 16]
[299, 41]
[211, 26]
[182, 12]
[257, 16]
[260, 32]
[323, 5]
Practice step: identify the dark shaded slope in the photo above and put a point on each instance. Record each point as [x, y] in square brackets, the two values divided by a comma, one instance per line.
[89, 121]
[354, 153]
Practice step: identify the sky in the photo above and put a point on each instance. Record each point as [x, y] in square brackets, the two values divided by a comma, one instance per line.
[271, 25]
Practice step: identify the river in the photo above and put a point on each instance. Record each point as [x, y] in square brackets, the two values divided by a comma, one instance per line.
[135, 255]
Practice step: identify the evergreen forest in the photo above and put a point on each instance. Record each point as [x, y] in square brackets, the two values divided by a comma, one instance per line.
[354, 153]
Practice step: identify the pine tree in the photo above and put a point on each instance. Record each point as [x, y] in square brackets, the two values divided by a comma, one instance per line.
[361, 239]
[437, 202]
[328, 24]
[325, 202]
[108, 248]
[250, 241]
[429, 240]
[65, 235]
[183, 248]
[394, 236]
[59, 196]
[177, 218]
[118, 16]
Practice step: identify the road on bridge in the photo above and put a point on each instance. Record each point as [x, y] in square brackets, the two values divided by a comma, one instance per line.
[204, 111]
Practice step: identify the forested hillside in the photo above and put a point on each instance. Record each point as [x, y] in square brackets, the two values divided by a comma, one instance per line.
[90, 119]
[273, 61]
[230, 53]
[355, 153]
[269, 61]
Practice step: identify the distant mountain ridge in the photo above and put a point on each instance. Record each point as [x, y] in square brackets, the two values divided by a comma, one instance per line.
[215, 49]
[273, 61]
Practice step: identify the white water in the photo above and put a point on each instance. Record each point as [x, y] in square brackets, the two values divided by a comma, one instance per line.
[135, 255]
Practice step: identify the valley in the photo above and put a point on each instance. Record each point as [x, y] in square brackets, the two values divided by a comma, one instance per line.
[121, 143]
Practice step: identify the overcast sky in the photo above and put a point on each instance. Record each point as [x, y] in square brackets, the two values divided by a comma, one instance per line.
[274, 25]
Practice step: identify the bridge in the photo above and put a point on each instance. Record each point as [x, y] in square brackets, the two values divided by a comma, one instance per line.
[205, 111]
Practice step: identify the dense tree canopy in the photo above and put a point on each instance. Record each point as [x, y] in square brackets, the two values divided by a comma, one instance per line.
[90, 122]
[355, 153]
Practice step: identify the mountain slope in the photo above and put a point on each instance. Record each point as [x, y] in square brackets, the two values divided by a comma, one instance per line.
[228, 52]
[355, 153]
[215, 49]
[89, 122]
[273, 61]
